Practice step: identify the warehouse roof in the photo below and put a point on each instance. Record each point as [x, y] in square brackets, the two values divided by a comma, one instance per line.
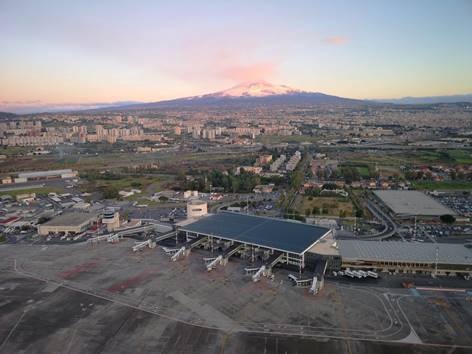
[43, 173]
[71, 219]
[405, 202]
[283, 235]
[398, 251]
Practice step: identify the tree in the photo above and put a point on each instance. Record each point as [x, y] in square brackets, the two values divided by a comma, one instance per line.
[447, 218]
[296, 179]
[43, 219]
[110, 192]
[315, 210]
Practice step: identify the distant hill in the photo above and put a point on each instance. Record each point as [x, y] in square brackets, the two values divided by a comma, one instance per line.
[255, 93]
[7, 115]
[39, 107]
[429, 100]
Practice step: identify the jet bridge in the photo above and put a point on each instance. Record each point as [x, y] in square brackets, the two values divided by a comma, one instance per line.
[274, 259]
[194, 242]
[114, 238]
[165, 236]
[259, 273]
[234, 248]
[182, 252]
[140, 245]
[300, 283]
[100, 238]
[314, 286]
[213, 262]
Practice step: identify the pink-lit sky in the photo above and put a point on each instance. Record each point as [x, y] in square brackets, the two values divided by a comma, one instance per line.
[57, 52]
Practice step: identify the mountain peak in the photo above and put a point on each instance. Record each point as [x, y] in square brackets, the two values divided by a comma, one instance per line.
[256, 89]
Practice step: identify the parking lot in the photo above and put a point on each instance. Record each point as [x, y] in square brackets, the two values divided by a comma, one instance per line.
[460, 202]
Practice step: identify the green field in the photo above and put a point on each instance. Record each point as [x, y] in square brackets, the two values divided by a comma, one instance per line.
[39, 190]
[325, 205]
[363, 171]
[156, 183]
[277, 139]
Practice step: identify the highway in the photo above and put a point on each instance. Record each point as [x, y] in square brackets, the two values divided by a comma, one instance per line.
[390, 227]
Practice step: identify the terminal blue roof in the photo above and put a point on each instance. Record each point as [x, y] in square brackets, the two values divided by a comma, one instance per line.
[283, 235]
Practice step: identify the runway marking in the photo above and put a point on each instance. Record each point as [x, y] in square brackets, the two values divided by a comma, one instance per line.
[13, 329]
[275, 332]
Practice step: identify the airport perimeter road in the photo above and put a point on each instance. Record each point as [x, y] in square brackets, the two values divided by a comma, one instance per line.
[390, 227]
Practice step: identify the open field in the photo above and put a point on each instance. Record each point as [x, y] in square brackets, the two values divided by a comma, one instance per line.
[397, 158]
[82, 299]
[363, 171]
[129, 182]
[325, 205]
[39, 190]
[277, 139]
[169, 161]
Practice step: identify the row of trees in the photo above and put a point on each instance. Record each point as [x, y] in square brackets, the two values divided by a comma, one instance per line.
[229, 182]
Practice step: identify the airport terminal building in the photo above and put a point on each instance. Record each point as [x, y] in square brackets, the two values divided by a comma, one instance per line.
[406, 257]
[68, 223]
[271, 240]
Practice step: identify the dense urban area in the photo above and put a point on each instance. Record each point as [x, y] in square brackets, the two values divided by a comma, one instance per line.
[248, 229]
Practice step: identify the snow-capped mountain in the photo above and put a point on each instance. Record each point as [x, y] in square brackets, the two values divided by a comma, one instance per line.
[256, 89]
[260, 93]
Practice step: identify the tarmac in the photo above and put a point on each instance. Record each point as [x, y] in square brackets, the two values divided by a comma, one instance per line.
[80, 298]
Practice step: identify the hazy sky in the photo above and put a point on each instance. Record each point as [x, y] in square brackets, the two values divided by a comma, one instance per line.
[102, 51]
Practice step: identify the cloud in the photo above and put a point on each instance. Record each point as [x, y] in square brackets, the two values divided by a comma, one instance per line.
[249, 72]
[227, 60]
[335, 40]
[26, 107]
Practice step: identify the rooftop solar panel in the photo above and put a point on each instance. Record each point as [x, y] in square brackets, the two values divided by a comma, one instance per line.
[283, 235]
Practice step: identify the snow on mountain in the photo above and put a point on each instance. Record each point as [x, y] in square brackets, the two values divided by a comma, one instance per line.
[255, 89]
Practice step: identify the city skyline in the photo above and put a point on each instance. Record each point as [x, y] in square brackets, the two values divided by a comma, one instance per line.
[84, 53]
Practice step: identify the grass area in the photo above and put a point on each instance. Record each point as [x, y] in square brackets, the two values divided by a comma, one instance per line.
[363, 171]
[324, 206]
[394, 159]
[15, 150]
[147, 184]
[276, 139]
[449, 185]
[461, 156]
[38, 191]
